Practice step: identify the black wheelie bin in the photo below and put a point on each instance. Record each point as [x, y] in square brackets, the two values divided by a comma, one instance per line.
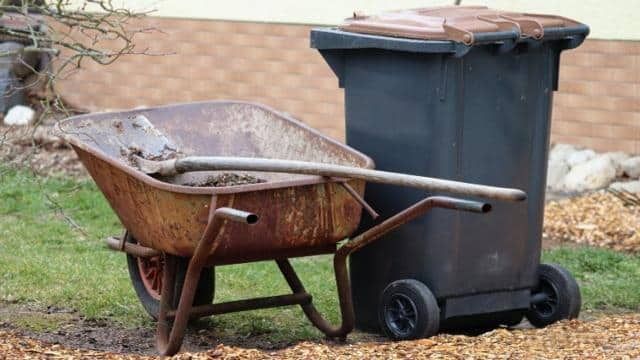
[461, 93]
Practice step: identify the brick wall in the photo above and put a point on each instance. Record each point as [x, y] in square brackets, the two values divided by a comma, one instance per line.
[598, 104]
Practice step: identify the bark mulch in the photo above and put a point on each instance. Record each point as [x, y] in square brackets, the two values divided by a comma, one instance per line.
[608, 337]
[597, 219]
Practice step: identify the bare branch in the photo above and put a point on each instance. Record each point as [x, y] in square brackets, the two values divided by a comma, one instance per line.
[60, 210]
[70, 32]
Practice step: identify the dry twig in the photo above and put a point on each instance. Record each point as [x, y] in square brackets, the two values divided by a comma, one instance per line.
[60, 210]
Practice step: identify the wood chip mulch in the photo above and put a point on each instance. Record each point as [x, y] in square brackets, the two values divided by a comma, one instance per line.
[598, 219]
[616, 336]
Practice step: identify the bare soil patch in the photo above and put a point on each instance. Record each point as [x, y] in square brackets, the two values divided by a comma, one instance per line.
[602, 336]
[65, 328]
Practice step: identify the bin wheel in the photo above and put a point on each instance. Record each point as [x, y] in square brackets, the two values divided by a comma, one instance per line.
[556, 297]
[408, 310]
[146, 277]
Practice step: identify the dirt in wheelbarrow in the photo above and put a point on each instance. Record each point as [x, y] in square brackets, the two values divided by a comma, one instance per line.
[217, 180]
[130, 153]
[44, 333]
[224, 179]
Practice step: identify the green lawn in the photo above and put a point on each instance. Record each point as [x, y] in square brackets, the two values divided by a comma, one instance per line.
[51, 253]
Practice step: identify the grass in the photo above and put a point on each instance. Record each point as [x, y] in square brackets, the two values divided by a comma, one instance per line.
[608, 279]
[51, 253]
[17, 315]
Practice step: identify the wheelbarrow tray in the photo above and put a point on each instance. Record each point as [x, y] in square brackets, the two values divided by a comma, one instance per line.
[299, 214]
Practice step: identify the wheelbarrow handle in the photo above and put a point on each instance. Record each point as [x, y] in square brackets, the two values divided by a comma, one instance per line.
[408, 214]
[462, 204]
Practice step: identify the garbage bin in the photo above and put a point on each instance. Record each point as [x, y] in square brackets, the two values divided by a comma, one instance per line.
[462, 93]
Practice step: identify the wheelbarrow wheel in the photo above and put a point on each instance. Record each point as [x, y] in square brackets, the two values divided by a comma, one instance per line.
[146, 276]
[556, 297]
[408, 310]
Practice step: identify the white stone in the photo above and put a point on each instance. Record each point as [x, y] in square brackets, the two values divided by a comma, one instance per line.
[630, 186]
[19, 115]
[618, 158]
[561, 152]
[578, 157]
[631, 167]
[556, 171]
[593, 174]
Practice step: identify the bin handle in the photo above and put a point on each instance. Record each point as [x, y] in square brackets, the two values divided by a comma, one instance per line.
[571, 37]
[469, 38]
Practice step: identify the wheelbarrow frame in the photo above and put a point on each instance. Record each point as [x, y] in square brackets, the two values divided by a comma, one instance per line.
[172, 322]
[300, 215]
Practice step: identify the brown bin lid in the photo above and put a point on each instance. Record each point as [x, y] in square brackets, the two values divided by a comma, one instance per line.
[456, 23]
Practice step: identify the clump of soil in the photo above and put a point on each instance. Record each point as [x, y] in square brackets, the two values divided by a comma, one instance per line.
[132, 151]
[119, 127]
[219, 180]
[225, 179]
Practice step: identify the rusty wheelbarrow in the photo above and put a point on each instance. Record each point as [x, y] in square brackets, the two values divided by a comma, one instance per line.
[176, 234]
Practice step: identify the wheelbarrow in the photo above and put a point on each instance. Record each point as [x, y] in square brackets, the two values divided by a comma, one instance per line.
[176, 234]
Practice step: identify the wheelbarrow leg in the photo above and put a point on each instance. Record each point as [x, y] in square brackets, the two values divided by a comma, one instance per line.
[344, 295]
[164, 328]
[169, 338]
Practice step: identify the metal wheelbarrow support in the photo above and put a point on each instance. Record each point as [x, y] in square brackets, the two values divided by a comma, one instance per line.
[172, 323]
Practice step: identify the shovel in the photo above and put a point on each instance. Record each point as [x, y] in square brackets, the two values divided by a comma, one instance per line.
[153, 144]
[218, 163]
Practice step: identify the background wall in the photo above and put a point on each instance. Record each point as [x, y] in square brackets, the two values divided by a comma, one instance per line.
[598, 104]
[617, 19]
